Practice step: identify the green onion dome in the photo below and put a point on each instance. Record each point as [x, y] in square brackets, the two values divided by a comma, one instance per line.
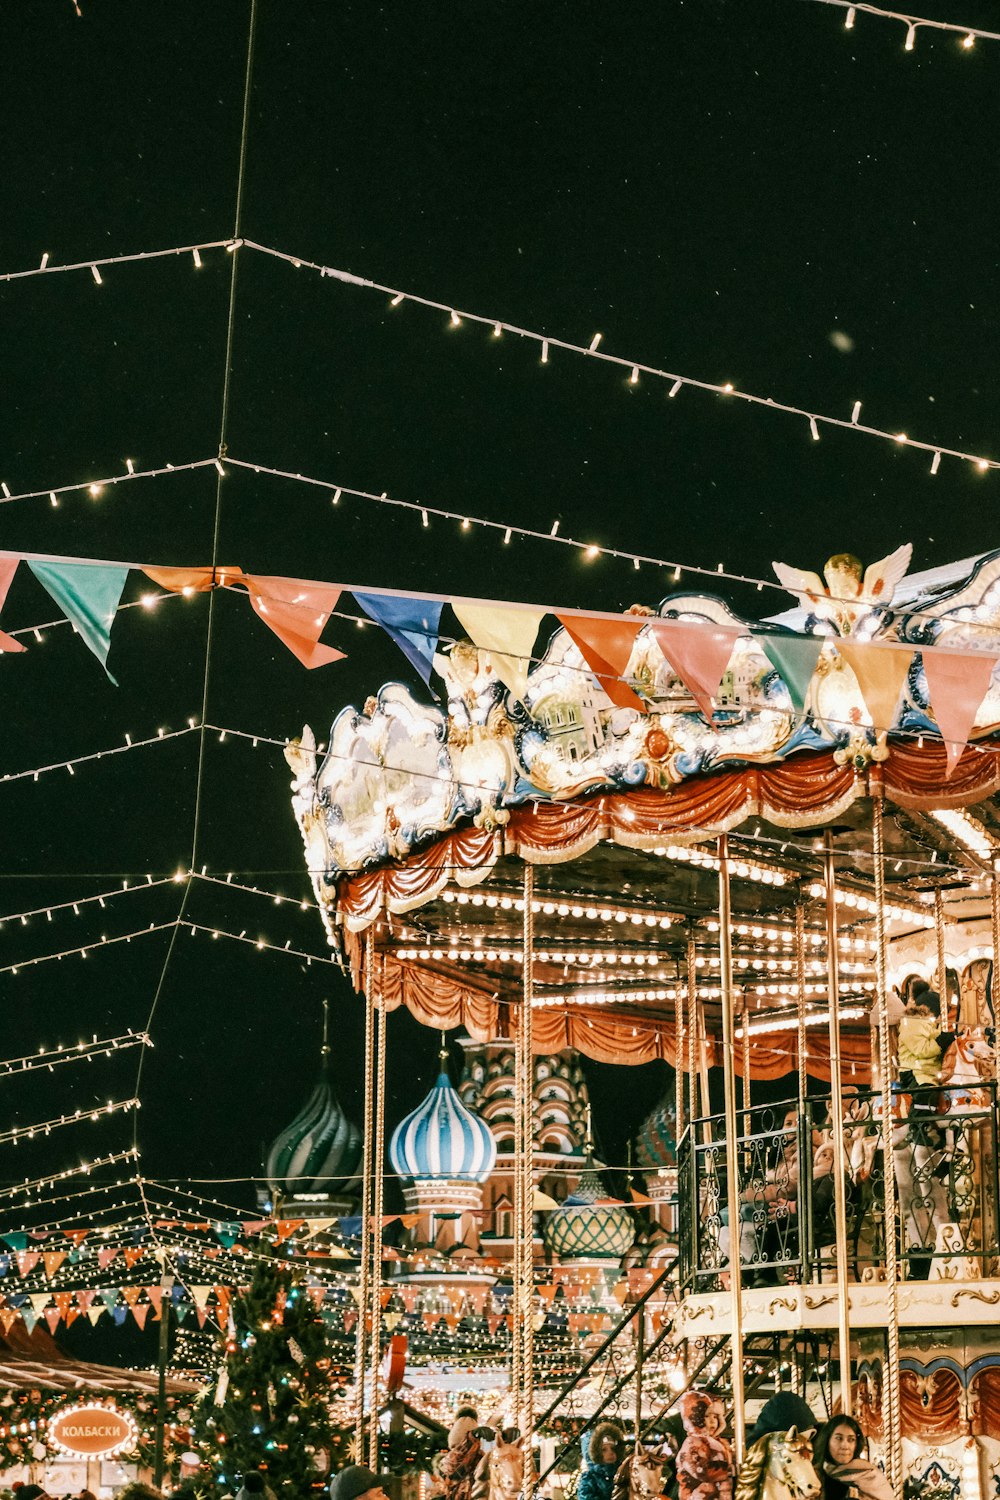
[580, 1230]
[319, 1152]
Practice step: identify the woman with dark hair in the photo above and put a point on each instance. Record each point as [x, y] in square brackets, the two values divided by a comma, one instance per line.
[840, 1458]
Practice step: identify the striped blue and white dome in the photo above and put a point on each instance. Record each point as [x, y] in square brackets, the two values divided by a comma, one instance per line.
[443, 1138]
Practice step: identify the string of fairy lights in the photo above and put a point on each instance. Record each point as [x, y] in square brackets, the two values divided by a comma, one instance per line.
[966, 36]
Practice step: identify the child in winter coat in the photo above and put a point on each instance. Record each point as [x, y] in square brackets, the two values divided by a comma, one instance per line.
[604, 1452]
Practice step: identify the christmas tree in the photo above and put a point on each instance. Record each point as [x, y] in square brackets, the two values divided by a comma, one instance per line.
[268, 1408]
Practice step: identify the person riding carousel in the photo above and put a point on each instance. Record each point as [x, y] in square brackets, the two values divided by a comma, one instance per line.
[840, 1457]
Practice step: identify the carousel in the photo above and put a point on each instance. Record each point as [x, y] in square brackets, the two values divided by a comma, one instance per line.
[765, 853]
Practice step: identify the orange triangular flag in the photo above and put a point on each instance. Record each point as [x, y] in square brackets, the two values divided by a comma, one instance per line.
[52, 1260]
[132, 1253]
[62, 1300]
[881, 672]
[193, 580]
[76, 1235]
[296, 610]
[8, 567]
[957, 682]
[131, 1294]
[606, 646]
[698, 653]
[8, 1317]
[140, 1313]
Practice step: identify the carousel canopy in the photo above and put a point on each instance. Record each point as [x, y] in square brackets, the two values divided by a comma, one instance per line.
[428, 815]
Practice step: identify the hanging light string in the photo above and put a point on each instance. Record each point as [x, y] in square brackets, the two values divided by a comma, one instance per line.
[45, 1127]
[96, 487]
[83, 1051]
[125, 889]
[159, 738]
[636, 368]
[98, 262]
[82, 951]
[263, 946]
[36, 1184]
[969, 34]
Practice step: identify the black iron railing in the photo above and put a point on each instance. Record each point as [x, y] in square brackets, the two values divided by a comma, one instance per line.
[944, 1144]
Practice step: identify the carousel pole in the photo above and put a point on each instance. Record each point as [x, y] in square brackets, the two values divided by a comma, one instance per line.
[378, 1183]
[745, 1016]
[994, 987]
[361, 1344]
[891, 1424]
[524, 1289]
[679, 1040]
[942, 962]
[692, 1004]
[801, 1058]
[837, 1122]
[732, 1179]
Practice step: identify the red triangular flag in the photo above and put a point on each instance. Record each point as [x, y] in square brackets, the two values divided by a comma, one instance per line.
[140, 1313]
[106, 1255]
[27, 1260]
[606, 646]
[957, 682]
[296, 610]
[8, 567]
[698, 653]
[155, 1295]
[52, 1318]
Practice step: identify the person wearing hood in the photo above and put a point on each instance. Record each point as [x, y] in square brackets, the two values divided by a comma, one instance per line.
[840, 1457]
[602, 1452]
[457, 1467]
[783, 1412]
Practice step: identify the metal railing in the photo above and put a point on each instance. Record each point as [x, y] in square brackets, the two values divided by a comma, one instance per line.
[944, 1143]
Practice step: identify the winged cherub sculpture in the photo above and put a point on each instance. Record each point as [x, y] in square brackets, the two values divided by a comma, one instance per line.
[851, 592]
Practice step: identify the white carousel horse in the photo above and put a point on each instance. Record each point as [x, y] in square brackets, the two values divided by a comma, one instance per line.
[966, 1065]
[640, 1477]
[779, 1467]
[500, 1475]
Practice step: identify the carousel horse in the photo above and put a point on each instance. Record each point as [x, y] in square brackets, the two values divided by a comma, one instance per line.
[779, 1467]
[500, 1474]
[641, 1475]
[968, 1062]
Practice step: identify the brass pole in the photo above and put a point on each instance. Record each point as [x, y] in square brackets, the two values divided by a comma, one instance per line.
[732, 1180]
[837, 1122]
[745, 1016]
[800, 1005]
[692, 1002]
[995, 977]
[524, 1309]
[364, 1274]
[377, 1001]
[891, 1424]
[942, 962]
[679, 1039]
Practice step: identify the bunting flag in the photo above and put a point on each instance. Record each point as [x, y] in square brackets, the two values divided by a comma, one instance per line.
[155, 1295]
[84, 1299]
[90, 595]
[8, 567]
[30, 1318]
[106, 1255]
[606, 646]
[131, 1294]
[95, 1314]
[27, 1260]
[16, 1241]
[881, 672]
[285, 1228]
[132, 1253]
[699, 654]
[194, 580]
[39, 1300]
[507, 634]
[794, 658]
[296, 611]
[957, 683]
[63, 1301]
[412, 623]
[140, 1313]
[52, 1260]
[8, 1317]
[52, 1318]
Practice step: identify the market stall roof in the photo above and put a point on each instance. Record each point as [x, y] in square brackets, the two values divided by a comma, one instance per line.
[34, 1360]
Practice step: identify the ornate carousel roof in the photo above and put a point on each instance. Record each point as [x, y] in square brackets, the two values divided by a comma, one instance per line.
[614, 785]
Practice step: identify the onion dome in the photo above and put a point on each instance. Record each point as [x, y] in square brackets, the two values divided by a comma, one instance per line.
[319, 1152]
[443, 1138]
[581, 1231]
[656, 1144]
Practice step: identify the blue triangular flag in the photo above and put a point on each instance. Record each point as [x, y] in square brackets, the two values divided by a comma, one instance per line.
[89, 594]
[412, 623]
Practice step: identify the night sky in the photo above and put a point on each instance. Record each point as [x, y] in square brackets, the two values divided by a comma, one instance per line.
[717, 186]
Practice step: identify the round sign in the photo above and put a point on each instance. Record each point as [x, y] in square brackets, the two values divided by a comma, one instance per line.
[92, 1430]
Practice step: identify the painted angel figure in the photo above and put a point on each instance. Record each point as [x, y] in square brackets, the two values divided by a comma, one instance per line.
[852, 593]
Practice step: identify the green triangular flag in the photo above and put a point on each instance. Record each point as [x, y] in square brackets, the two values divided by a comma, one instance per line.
[89, 593]
[794, 658]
